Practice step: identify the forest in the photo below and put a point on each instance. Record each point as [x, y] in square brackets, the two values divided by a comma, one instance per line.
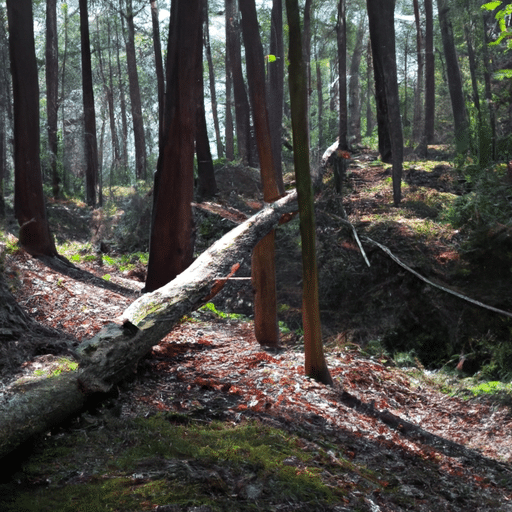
[255, 255]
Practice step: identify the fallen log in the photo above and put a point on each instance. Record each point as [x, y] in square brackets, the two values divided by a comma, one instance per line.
[34, 407]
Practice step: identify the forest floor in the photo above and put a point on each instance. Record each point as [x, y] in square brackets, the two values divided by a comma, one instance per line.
[211, 421]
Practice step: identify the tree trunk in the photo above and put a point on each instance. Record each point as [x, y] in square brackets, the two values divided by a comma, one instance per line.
[207, 186]
[315, 365]
[460, 118]
[369, 67]
[52, 90]
[276, 83]
[263, 259]
[91, 144]
[213, 91]
[417, 123]
[306, 54]
[488, 90]
[62, 88]
[354, 86]
[122, 105]
[115, 351]
[133, 83]
[171, 242]
[320, 99]
[430, 84]
[159, 66]
[29, 205]
[382, 35]
[242, 110]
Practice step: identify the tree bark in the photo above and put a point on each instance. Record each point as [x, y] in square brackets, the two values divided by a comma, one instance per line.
[29, 205]
[207, 186]
[33, 408]
[91, 144]
[122, 104]
[171, 242]
[417, 123]
[315, 365]
[242, 110]
[460, 117]
[276, 83]
[382, 35]
[354, 85]
[263, 259]
[430, 84]
[211, 77]
[134, 88]
[159, 66]
[52, 90]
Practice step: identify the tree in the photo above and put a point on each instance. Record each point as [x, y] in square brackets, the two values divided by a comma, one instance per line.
[29, 205]
[418, 124]
[263, 258]
[430, 89]
[382, 34]
[171, 241]
[354, 84]
[234, 58]
[91, 145]
[52, 89]
[275, 89]
[315, 365]
[460, 118]
[134, 89]
[159, 67]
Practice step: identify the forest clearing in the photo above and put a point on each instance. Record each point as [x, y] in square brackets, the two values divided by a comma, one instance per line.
[213, 421]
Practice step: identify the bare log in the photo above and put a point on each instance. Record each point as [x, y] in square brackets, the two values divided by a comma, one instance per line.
[34, 407]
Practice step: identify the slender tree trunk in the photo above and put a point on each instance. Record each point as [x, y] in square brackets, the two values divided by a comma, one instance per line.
[122, 104]
[207, 187]
[340, 164]
[306, 52]
[228, 120]
[460, 117]
[488, 90]
[333, 100]
[29, 205]
[91, 145]
[159, 66]
[213, 91]
[171, 243]
[63, 89]
[315, 365]
[134, 88]
[111, 109]
[263, 259]
[418, 123]
[430, 89]
[4, 58]
[276, 83]
[320, 99]
[52, 90]
[354, 84]
[369, 67]
[242, 111]
[382, 34]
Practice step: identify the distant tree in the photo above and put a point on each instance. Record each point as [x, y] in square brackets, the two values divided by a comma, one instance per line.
[430, 85]
[52, 90]
[381, 15]
[91, 145]
[134, 88]
[207, 186]
[242, 110]
[29, 205]
[460, 118]
[315, 365]
[171, 242]
[418, 123]
[354, 83]
[159, 67]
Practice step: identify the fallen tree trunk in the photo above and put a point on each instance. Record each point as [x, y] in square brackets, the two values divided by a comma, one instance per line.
[34, 407]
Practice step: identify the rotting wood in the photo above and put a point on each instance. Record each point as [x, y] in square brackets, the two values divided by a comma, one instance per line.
[32, 408]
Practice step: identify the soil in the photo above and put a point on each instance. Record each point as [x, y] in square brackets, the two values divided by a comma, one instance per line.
[384, 438]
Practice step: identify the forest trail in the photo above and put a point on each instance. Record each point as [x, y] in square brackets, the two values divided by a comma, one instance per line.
[210, 371]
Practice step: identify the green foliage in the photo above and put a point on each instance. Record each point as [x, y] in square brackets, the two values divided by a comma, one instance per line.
[210, 308]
